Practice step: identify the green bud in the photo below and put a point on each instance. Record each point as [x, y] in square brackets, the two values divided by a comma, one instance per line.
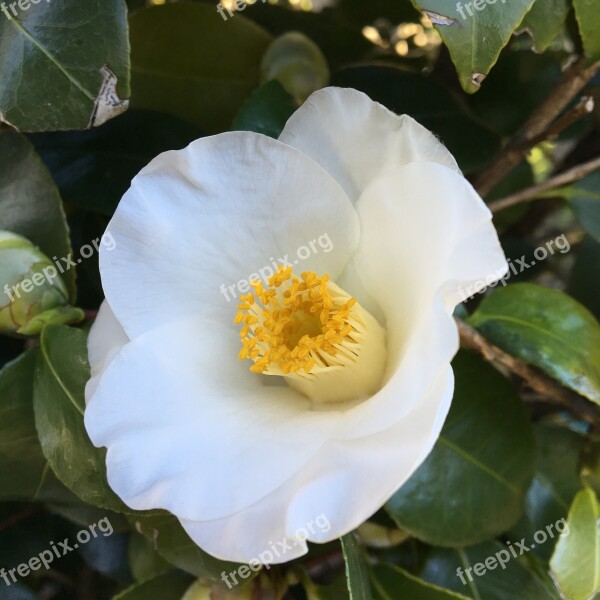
[203, 589]
[297, 63]
[32, 293]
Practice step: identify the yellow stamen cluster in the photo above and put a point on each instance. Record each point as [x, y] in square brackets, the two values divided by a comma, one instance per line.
[294, 325]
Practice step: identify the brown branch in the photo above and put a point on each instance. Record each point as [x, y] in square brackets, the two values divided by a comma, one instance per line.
[551, 391]
[573, 80]
[530, 193]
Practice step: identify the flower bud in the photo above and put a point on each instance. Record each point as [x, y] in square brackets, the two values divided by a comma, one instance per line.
[208, 590]
[297, 63]
[32, 293]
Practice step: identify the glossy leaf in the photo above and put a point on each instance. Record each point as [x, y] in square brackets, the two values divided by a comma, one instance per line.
[475, 32]
[503, 578]
[548, 329]
[266, 111]
[392, 582]
[588, 19]
[188, 62]
[544, 21]
[357, 576]
[473, 484]
[64, 65]
[58, 398]
[29, 201]
[576, 559]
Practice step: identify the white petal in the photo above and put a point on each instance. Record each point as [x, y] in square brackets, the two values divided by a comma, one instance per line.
[425, 234]
[199, 220]
[105, 341]
[209, 438]
[356, 139]
[341, 486]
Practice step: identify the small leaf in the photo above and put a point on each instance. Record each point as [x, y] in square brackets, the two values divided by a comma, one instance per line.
[266, 111]
[60, 379]
[473, 484]
[188, 62]
[392, 582]
[588, 18]
[29, 201]
[546, 328]
[63, 65]
[576, 559]
[475, 32]
[545, 20]
[357, 575]
[168, 586]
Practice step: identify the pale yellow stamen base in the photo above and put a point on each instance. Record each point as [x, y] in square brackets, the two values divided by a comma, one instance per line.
[316, 336]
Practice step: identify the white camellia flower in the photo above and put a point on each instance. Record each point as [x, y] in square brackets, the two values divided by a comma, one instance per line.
[344, 380]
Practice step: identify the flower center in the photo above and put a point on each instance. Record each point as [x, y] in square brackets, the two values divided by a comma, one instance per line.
[314, 334]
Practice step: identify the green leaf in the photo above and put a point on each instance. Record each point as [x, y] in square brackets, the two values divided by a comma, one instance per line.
[145, 562]
[168, 586]
[473, 484]
[503, 578]
[24, 472]
[188, 62]
[475, 37]
[392, 582]
[29, 201]
[172, 542]
[545, 20]
[58, 400]
[588, 19]
[576, 559]
[546, 328]
[554, 486]
[357, 575]
[266, 111]
[63, 65]
[430, 104]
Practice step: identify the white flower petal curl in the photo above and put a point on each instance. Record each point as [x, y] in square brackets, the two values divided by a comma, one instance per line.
[214, 214]
[343, 484]
[356, 139]
[207, 440]
[425, 234]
